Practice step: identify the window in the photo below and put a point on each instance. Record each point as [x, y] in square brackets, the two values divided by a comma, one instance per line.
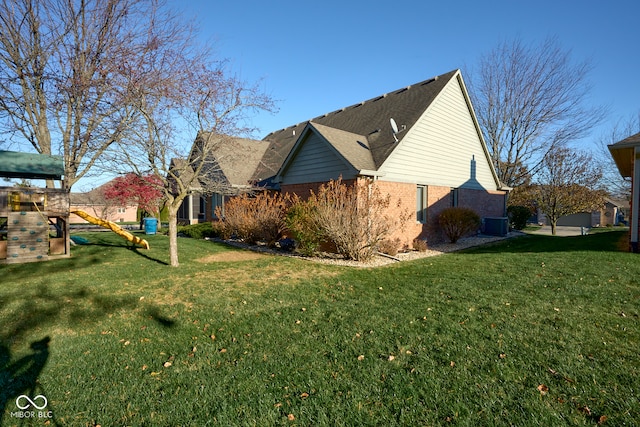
[217, 199]
[122, 210]
[202, 209]
[421, 204]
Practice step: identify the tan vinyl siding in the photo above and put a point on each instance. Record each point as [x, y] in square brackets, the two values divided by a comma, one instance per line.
[315, 162]
[438, 150]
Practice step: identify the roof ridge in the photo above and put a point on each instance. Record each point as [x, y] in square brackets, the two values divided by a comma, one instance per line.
[373, 99]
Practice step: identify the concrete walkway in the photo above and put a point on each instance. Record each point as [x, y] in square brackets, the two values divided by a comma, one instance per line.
[561, 230]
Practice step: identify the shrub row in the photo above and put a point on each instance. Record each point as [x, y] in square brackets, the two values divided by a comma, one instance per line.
[352, 218]
[198, 231]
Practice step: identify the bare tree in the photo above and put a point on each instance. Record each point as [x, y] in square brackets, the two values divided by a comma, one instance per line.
[617, 185]
[61, 84]
[179, 92]
[568, 183]
[529, 99]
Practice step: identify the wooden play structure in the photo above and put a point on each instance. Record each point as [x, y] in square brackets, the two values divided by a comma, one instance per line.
[34, 222]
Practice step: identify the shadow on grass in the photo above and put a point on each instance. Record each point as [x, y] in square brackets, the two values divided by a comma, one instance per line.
[614, 241]
[137, 251]
[108, 242]
[48, 307]
[154, 313]
[19, 384]
[40, 306]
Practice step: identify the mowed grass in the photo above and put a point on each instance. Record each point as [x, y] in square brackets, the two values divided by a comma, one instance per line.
[535, 330]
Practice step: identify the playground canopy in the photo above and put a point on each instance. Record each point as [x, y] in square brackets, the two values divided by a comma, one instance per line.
[30, 165]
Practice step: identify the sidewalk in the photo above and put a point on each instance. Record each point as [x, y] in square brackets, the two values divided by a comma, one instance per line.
[561, 230]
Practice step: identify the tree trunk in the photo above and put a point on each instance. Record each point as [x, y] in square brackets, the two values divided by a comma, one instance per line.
[173, 235]
[554, 223]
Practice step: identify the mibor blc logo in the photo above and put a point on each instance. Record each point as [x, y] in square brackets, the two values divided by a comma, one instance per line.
[32, 407]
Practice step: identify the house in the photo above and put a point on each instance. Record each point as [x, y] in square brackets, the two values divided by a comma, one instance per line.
[612, 212]
[625, 153]
[233, 171]
[421, 143]
[94, 203]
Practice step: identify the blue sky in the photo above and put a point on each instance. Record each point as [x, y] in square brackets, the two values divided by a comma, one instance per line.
[316, 57]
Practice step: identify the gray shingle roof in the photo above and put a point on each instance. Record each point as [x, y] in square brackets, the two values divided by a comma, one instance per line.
[353, 147]
[236, 159]
[623, 154]
[631, 140]
[369, 119]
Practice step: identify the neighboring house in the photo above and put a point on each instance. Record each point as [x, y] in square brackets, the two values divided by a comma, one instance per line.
[233, 169]
[625, 153]
[613, 212]
[94, 203]
[422, 144]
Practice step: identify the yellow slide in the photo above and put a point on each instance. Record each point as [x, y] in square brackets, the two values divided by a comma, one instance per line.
[111, 226]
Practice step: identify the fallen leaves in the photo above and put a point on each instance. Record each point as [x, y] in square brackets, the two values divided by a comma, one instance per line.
[556, 373]
[169, 362]
[543, 389]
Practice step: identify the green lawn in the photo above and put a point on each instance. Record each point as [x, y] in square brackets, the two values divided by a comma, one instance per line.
[536, 330]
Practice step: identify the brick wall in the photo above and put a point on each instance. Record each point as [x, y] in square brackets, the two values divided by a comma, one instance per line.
[485, 203]
[403, 204]
[438, 199]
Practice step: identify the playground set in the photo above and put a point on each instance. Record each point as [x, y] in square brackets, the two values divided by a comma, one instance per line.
[34, 222]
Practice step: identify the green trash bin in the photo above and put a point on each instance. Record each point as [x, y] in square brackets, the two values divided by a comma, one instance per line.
[150, 225]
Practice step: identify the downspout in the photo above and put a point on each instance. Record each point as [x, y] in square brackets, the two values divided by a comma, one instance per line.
[506, 190]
